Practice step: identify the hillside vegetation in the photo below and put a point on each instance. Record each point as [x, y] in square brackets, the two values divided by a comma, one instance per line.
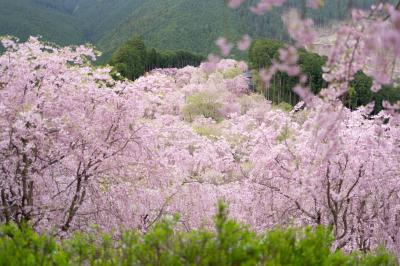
[166, 25]
[263, 51]
[133, 59]
[22, 18]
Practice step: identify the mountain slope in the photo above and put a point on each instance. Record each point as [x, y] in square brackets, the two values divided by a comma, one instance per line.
[23, 18]
[63, 21]
[173, 24]
[99, 17]
[164, 24]
[195, 25]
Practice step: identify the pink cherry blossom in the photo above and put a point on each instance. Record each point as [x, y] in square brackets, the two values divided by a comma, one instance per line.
[224, 46]
[244, 43]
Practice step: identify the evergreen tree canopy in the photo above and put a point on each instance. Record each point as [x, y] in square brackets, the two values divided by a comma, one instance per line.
[133, 59]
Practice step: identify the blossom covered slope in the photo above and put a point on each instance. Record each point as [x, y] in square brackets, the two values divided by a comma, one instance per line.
[78, 148]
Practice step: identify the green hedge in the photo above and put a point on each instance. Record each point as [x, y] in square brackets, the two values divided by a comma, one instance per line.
[229, 244]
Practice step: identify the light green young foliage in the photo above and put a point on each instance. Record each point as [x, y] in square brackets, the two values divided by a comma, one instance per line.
[232, 73]
[202, 104]
[284, 135]
[210, 131]
[287, 107]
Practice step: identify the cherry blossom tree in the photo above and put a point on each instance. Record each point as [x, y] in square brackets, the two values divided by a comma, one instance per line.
[64, 133]
[349, 175]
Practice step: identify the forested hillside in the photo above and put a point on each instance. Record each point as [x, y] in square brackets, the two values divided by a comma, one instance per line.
[22, 18]
[167, 25]
[195, 25]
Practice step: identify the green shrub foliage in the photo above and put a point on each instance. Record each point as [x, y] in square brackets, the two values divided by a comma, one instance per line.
[133, 59]
[166, 243]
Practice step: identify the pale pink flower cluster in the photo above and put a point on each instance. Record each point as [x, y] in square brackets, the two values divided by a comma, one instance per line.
[235, 3]
[266, 5]
[369, 44]
[287, 63]
[244, 43]
[300, 30]
[315, 4]
[224, 46]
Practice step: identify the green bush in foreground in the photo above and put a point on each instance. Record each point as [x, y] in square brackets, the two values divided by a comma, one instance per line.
[229, 244]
